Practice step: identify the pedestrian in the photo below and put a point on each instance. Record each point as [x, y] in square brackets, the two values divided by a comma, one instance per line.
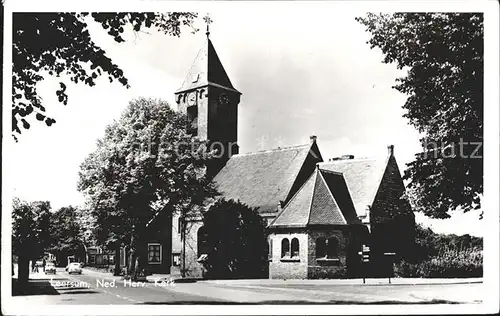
[33, 266]
[43, 264]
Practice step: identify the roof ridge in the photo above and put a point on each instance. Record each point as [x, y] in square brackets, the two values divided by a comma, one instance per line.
[272, 150]
[330, 171]
[285, 207]
[353, 160]
[333, 197]
[379, 182]
[316, 173]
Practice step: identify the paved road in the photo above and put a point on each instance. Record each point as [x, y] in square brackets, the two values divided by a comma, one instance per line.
[98, 288]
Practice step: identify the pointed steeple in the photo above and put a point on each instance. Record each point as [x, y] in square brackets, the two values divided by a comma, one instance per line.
[210, 102]
[207, 70]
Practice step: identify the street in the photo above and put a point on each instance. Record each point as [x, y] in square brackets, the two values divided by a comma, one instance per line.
[98, 288]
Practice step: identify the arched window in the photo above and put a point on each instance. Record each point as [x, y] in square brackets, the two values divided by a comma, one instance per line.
[321, 247]
[332, 247]
[285, 248]
[295, 247]
[202, 241]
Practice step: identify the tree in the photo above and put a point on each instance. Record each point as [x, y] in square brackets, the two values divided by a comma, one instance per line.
[58, 44]
[443, 53]
[30, 233]
[429, 244]
[66, 233]
[146, 165]
[234, 240]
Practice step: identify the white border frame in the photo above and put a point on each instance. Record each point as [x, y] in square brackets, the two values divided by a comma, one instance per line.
[491, 160]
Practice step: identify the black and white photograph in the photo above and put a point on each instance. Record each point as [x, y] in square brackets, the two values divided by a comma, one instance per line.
[250, 157]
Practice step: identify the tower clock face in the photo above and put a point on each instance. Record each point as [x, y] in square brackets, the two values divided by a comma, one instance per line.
[224, 99]
[191, 98]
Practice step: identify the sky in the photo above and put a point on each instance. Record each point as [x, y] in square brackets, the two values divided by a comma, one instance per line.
[302, 72]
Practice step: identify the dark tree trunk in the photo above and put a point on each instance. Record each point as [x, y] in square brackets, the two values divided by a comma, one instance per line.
[117, 270]
[140, 263]
[126, 260]
[23, 270]
[183, 240]
[131, 264]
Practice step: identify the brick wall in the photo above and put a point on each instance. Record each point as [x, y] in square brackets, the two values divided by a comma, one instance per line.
[280, 269]
[319, 269]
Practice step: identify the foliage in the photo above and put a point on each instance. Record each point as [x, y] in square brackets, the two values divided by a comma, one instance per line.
[66, 231]
[447, 264]
[429, 244]
[146, 165]
[30, 228]
[443, 53]
[235, 241]
[439, 255]
[60, 44]
[30, 233]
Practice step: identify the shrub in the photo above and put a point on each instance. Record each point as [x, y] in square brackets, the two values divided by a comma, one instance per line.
[340, 273]
[449, 263]
[233, 238]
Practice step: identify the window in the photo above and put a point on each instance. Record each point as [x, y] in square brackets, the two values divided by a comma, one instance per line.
[179, 226]
[202, 241]
[154, 253]
[176, 259]
[332, 247]
[295, 247]
[285, 248]
[192, 114]
[321, 247]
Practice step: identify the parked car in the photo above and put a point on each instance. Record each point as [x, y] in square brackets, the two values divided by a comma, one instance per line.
[74, 267]
[50, 268]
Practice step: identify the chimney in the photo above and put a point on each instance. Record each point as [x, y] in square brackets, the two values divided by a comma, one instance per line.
[280, 205]
[390, 150]
[313, 138]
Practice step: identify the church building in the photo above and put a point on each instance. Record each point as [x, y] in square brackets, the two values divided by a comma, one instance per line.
[319, 213]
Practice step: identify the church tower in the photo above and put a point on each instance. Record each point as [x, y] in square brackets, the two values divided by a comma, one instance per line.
[210, 101]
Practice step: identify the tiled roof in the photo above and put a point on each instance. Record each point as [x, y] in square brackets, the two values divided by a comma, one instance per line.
[338, 187]
[262, 179]
[324, 209]
[316, 203]
[363, 177]
[296, 212]
[206, 70]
